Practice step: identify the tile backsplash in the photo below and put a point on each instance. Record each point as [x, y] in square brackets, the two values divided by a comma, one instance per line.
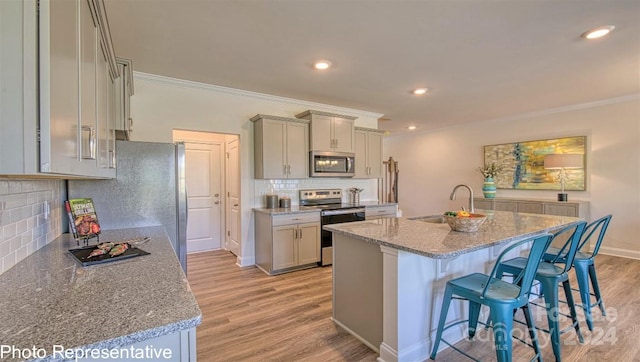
[290, 188]
[25, 224]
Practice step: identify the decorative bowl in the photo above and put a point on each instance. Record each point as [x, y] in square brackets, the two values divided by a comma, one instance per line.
[466, 224]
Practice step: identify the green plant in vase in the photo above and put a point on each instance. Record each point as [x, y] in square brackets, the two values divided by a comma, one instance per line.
[489, 171]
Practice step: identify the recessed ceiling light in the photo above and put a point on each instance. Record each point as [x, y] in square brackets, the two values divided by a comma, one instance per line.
[322, 64]
[420, 91]
[411, 128]
[598, 32]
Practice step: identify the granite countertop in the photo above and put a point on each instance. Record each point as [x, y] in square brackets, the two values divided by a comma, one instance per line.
[49, 299]
[439, 241]
[298, 209]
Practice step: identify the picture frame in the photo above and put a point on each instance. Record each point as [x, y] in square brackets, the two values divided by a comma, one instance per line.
[523, 164]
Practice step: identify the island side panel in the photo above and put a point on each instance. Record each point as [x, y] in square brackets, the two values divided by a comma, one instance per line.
[357, 288]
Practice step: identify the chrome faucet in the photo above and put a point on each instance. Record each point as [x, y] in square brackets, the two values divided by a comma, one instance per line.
[453, 196]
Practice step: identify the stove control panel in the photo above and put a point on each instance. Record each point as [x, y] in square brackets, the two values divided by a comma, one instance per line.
[321, 194]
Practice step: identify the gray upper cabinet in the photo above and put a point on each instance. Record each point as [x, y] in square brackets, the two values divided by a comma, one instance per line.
[124, 91]
[281, 147]
[368, 150]
[330, 131]
[61, 121]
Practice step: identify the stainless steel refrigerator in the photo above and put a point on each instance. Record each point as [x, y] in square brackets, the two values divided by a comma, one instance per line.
[149, 189]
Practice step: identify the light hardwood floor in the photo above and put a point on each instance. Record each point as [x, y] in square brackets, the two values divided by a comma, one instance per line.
[249, 316]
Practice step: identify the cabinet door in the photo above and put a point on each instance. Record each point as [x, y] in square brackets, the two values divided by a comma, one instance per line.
[484, 204]
[274, 148]
[59, 86]
[361, 162]
[561, 210]
[321, 135]
[343, 135]
[297, 157]
[102, 103]
[374, 154]
[111, 119]
[88, 72]
[105, 111]
[309, 243]
[530, 207]
[284, 247]
[506, 206]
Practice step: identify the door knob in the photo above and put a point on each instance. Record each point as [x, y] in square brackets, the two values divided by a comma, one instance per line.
[216, 195]
[217, 202]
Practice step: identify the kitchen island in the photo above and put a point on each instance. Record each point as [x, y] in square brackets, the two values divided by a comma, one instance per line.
[389, 275]
[141, 307]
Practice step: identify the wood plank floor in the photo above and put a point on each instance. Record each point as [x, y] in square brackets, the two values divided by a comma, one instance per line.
[249, 316]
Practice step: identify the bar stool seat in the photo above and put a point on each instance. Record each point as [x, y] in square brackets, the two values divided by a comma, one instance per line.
[502, 298]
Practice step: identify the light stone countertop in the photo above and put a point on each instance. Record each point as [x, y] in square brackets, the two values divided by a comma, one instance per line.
[438, 241]
[298, 209]
[50, 299]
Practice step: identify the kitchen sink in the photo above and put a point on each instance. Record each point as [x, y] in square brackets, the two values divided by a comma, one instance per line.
[433, 219]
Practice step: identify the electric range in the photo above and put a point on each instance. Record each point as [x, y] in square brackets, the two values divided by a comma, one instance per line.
[332, 211]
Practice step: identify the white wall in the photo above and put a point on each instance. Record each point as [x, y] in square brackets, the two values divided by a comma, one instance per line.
[432, 163]
[162, 104]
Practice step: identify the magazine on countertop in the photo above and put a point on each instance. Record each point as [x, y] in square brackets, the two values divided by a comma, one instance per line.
[83, 218]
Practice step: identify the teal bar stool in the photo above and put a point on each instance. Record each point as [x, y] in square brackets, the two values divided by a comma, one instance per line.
[502, 298]
[584, 266]
[550, 273]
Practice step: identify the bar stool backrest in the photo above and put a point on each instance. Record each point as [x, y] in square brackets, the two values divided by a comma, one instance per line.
[567, 253]
[525, 278]
[601, 224]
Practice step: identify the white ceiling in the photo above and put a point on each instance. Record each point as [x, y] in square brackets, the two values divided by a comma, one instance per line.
[481, 59]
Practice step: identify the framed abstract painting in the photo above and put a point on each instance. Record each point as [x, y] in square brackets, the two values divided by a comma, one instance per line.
[523, 164]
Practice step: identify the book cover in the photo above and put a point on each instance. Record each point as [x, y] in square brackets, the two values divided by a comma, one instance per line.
[85, 218]
[72, 224]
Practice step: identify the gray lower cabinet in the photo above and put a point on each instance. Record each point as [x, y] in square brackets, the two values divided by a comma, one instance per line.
[287, 242]
[575, 208]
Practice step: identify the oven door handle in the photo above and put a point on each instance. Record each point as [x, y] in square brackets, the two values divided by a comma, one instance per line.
[341, 212]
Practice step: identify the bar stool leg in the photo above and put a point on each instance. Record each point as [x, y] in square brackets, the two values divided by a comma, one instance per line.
[596, 289]
[582, 275]
[572, 309]
[532, 331]
[551, 301]
[446, 300]
[502, 320]
[474, 313]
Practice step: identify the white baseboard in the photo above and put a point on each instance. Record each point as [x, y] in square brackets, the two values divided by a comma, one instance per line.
[244, 262]
[366, 343]
[624, 253]
[387, 354]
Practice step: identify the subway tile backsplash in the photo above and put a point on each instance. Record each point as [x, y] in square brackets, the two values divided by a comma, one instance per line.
[290, 188]
[24, 225]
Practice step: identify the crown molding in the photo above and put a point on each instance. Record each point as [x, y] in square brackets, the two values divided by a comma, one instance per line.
[255, 95]
[545, 112]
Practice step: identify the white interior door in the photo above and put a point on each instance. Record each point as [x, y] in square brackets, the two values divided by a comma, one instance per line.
[232, 240]
[203, 173]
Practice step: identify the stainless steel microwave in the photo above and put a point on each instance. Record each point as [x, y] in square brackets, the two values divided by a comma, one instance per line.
[332, 164]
